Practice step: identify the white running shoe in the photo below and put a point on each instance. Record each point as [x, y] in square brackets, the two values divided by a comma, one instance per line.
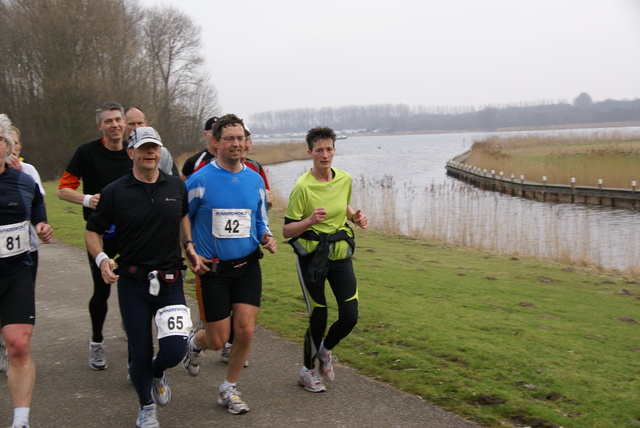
[97, 360]
[230, 398]
[191, 360]
[311, 381]
[224, 354]
[160, 390]
[325, 366]
[148, 417]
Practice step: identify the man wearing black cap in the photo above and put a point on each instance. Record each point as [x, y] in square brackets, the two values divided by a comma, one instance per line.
[149, 210]
[202, 158]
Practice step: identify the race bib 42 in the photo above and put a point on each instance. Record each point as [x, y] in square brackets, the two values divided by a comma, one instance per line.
[231, 223]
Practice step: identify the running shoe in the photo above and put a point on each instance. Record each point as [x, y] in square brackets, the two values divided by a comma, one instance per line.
[20, 425]
[311, 381]
[230, 398]
[4, 358]
[191, 361]
[325, 366]
[148, 417]
[160, 390]
[224, 354]
[97, 360]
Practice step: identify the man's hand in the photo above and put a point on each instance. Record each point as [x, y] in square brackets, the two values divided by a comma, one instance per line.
[193, 259]
[269, 243]
[93, 202]
[44, 231]
[202, 265]
[107, 267]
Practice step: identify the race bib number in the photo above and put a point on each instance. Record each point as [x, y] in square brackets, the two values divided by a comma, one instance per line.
[174, 320]
[14, 239]
[231, 223]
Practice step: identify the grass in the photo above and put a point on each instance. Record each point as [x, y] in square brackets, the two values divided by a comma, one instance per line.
[501, 340]
[613, 158]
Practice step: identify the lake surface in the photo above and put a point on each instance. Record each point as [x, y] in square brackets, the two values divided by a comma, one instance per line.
[400, 182]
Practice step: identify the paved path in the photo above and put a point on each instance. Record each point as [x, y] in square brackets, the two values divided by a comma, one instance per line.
[69, 394]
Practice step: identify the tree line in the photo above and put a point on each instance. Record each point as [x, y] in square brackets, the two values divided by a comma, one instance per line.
[389, 118]
[59, 59]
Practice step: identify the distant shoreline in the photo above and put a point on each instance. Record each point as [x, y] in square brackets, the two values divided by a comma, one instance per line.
[508, 129]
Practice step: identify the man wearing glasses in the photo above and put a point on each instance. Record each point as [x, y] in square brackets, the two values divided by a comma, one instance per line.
[228, 213]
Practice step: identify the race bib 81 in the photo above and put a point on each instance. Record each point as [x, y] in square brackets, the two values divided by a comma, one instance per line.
[14, 239]
[231, 223]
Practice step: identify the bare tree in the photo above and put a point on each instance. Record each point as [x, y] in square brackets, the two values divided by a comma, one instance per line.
[180, 93]
[61, 58]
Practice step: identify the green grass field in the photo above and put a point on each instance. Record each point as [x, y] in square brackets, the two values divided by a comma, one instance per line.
[501, 340]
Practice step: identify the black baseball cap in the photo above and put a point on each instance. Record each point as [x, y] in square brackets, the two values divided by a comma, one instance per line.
[209, 123]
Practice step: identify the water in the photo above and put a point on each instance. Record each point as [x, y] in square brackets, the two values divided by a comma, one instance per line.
[400, 182]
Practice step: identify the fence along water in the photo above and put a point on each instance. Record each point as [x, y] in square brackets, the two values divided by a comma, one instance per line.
[542, 191]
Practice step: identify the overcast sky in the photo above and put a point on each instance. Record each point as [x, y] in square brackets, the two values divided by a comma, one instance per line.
[268, 55]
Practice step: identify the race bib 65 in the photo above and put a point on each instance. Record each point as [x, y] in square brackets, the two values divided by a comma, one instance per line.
[174, 320]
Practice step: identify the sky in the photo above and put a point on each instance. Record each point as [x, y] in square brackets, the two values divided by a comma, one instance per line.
[266, 55]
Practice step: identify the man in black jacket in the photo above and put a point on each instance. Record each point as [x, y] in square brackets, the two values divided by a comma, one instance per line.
[149, 210]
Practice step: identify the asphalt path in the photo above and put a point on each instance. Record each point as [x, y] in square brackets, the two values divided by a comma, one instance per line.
[69, 394]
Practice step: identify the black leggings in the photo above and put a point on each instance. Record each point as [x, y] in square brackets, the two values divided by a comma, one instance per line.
[101, 291]
[342, 280]
[138, 309]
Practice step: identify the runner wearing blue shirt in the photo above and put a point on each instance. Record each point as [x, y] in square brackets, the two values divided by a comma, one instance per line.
[228, 212]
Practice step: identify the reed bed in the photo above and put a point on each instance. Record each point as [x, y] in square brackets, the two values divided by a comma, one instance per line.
[267, 153]
[273, 153]
[613, 158]
[459, 214]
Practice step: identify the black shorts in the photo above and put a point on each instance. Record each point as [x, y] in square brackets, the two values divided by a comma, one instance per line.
[18, 297]
[217, 293]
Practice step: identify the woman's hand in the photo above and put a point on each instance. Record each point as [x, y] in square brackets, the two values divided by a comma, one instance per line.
[360, 219]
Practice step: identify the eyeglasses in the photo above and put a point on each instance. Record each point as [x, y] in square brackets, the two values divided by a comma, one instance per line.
[232, 139]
